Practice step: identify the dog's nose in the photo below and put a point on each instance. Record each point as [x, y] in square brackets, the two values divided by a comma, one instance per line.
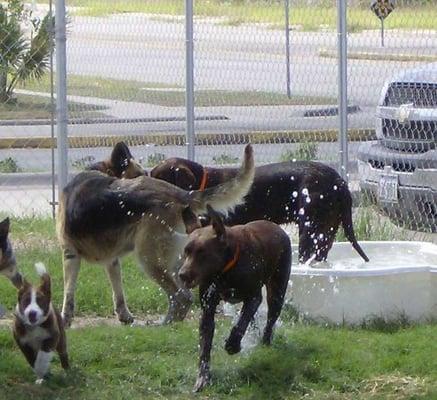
[184, 276]
[32, 316]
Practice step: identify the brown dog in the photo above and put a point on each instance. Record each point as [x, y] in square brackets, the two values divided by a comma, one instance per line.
[38, 328]
[232, 264]
[102, 218]
[8, 265]
[311, 194]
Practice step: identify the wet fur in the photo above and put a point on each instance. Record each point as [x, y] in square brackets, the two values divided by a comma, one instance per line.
[101, 218]
[271, 198]
[233, 264]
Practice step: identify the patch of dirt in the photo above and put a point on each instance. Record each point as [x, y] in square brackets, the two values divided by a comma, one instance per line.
[395, 386]
[95, 321]
[32, 241]
[85, 322]
[387, 387]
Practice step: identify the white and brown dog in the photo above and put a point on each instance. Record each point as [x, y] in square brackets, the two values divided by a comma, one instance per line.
[38, 328]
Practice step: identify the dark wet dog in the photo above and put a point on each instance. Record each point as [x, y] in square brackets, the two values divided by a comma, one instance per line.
[233, 264]
[103, 217]
[310, 194]
[8, 265]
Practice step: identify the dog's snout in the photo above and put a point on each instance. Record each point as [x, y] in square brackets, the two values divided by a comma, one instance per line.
[184, 276]
[32, 316]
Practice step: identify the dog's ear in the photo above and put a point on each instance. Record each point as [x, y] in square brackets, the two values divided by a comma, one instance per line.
[184, 177]
[46, 285]
[217, 223]
[190, 220]
[25, 285]
[4, 229]
[120, 158]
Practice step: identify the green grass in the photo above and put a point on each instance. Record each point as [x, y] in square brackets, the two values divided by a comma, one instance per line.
[378, 360]
[93, 295]
[39, 107]
[272, 13]
[160, 362]
[370, 225]
[92, 86]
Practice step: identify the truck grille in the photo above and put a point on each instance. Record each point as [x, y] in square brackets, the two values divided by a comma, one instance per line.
[422, 95]
[412, 136]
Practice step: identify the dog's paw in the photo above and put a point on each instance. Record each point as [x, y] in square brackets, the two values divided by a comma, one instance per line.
[233, 345]
[202, 381]
[125, 317]
[39, 381]
[67, 320]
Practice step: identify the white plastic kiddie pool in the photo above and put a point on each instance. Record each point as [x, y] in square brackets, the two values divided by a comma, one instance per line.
[400, 279]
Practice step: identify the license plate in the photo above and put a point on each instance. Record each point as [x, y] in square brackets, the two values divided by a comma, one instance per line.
[388, 188]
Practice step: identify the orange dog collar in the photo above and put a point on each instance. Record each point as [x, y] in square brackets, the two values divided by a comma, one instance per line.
[231, 264]
[204, 180]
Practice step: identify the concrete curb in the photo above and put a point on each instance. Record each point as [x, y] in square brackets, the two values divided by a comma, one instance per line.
[45, 178]
[362, 55]
[109, 120]
[202, 139]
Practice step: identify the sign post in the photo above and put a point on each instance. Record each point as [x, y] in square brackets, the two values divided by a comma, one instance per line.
[382, 9]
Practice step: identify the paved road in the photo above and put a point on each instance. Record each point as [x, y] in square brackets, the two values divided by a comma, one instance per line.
[143, 48]
[167, 120]
[146, 49]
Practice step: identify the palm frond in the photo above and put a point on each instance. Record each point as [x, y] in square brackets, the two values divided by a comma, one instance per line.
[36, 59]
[12, 40]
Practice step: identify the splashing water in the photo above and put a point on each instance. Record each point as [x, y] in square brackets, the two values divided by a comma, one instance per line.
[255, 329]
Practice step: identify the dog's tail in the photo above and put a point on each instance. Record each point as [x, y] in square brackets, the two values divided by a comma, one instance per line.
[346, 220]
[226, 196]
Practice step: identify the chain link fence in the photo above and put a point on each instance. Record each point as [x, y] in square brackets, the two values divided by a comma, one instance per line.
[126, 81]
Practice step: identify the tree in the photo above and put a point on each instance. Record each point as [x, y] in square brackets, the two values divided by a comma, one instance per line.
[25, 46]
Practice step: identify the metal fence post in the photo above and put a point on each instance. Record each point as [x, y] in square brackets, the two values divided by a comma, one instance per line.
[189, 79]
[287, 46]
[61, 95]
[53, 112]
[342, 86]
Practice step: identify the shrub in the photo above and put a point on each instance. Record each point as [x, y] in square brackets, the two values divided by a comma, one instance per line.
[154, 159]
[305, 151]
[225, 159]
[8, 165]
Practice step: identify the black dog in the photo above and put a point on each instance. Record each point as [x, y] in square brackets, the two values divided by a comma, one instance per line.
[8, 265]
[311, 194]
[232, 264]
